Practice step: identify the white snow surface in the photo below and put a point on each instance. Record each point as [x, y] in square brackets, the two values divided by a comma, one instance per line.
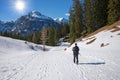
[18, 61]
[61, 20]
[39, 15]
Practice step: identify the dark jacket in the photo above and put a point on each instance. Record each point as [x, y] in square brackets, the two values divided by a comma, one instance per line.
[76, 50]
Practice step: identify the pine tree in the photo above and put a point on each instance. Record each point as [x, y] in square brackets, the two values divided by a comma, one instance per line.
[99, 13]
[88, 16]
[75, 20]
[72, 25]
[95, 14]
[51, 36]
[29, 37]
[0, 33]
[38, 40]
[57, 36]
[64, 29]
[78, 18]
[113, 11]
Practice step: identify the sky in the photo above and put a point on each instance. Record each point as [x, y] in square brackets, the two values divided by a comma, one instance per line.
[51, 8]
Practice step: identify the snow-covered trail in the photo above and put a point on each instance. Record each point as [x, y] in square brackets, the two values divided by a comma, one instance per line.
[52, 65]
[56, 64]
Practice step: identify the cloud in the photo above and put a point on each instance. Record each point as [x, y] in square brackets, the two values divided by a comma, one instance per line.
[67, 14]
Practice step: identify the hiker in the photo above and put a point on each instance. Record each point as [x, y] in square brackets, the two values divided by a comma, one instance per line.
[75, 53]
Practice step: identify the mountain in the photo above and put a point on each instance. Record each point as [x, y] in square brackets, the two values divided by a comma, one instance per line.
[30, 23]
[61, 20]
[1, 26]
[6, 26]
[33, 21]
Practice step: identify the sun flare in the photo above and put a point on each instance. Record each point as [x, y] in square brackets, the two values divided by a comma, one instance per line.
[20, 5]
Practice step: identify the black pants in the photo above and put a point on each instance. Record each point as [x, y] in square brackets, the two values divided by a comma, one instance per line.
[75, 58]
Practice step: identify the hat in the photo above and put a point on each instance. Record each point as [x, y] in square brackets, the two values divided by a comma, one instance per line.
[75, 43]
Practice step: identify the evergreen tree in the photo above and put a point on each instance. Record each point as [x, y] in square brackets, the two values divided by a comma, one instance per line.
[29, 37]
[0, 33]
[51, 36]
[88, 16]
[95, 14]
[57, 36]
[75, 20]
[113, 11]
[78, 18]
[34, 39]
[72, 25]
[65, 29]
[38, 40]
[99, 13]
[61, 30]
[58, 31]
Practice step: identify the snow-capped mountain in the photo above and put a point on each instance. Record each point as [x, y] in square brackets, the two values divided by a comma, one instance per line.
[61, 20]
[39, 15]
[6, 26]
[33, 21]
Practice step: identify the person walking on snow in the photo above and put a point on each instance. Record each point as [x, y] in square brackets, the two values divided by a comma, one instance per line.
[75, 53]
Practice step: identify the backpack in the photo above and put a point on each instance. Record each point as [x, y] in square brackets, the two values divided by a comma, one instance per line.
[75, 49]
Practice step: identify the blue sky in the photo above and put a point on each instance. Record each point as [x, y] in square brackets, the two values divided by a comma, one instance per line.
[51, 8]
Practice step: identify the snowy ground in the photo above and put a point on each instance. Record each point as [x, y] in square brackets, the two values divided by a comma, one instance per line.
[19, 62]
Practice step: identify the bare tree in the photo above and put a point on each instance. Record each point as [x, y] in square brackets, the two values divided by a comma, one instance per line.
[44, 37]
[33, 37]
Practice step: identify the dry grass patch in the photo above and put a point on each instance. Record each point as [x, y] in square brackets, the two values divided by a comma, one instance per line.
[90, 38]
[115, 29]
[107, 27]
[91, 41]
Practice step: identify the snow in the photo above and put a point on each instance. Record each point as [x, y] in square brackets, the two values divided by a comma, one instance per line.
[21, 60]
[118, 26]
[61, 20]
[37, 14]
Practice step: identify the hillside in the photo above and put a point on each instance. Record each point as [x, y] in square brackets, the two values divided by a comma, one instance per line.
[98, 59]
[108, 27]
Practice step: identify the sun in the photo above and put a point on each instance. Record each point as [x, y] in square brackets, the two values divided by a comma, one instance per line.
[20, 5]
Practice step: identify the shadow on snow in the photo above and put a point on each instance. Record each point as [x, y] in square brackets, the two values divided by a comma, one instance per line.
[92, 63]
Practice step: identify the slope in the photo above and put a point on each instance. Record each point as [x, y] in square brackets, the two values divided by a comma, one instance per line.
[107, 27]
[96, 62]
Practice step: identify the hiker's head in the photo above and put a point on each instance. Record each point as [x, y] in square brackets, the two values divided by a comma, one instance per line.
[75, 44]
